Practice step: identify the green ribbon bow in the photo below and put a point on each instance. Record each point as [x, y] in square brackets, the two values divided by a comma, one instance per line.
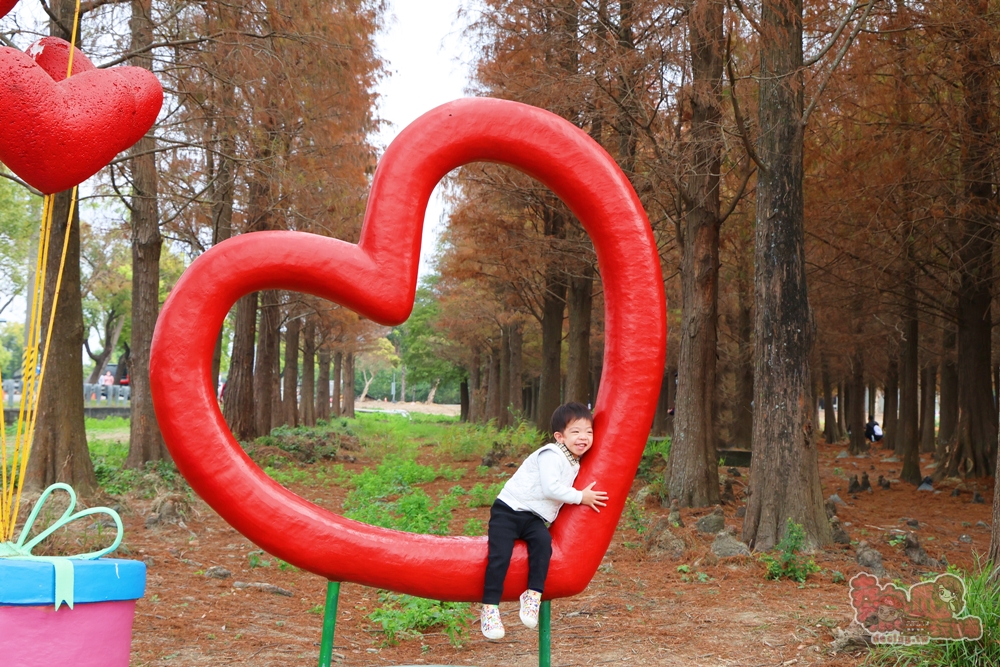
[63, 564]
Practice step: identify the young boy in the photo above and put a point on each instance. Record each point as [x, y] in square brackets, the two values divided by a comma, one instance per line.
[530, 500]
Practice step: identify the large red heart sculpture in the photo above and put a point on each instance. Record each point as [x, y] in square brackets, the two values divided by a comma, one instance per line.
[377, 278]
[58, 132]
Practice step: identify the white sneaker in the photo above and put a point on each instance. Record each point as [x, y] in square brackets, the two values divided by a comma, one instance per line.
[530, 601]
[490, 622]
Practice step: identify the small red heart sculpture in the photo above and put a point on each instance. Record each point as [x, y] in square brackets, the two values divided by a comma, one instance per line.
[52, 55]
[377, 278]
[6, 6]
[58, 132]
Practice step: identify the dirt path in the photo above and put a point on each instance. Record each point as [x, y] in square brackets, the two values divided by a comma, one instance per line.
[637, 611]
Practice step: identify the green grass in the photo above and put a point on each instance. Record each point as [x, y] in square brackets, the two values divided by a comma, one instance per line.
[108, 424]
[468, 442]
[405, 616]
[155, 477]
[982, 599]
[483, 496]
[387, 496]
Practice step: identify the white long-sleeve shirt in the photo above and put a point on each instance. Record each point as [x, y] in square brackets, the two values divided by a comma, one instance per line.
[543, 483]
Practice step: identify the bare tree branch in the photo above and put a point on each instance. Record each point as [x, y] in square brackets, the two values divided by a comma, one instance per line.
[737, 115]
[91, 5]
[836, 62]
[739, 194]
[748, 16]
[158, 45]
[833, 40]
[12, 177]
[54, 18]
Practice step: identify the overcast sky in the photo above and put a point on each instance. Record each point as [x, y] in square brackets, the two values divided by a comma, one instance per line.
[423, 46]
[427, 64]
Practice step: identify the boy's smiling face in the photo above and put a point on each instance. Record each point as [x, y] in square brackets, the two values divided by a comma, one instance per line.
[578, 436]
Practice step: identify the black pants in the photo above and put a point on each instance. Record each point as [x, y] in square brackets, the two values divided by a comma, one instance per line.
[506, 525]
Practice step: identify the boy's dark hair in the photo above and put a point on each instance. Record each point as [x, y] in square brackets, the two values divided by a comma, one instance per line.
[570, 412]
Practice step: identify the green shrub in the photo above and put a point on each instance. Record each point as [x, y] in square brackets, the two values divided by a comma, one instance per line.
[654, 460]
[405, 616]
[474, 527]
[467, 442]
[788, 563]
[483, 496]
[982, 599]
[116, 480]
[287, 476]
[254, 559]
[635, 517]
[385, 496]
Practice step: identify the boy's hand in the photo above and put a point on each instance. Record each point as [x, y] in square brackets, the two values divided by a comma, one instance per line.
[594, 499]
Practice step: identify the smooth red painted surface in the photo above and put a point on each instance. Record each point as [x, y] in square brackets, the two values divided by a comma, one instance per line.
[58, 132]
[377, 278]
[6, 6]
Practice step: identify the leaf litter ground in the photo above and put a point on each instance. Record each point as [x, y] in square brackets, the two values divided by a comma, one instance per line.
[638, 610]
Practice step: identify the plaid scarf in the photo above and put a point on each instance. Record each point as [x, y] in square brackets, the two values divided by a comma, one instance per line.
[573, 458]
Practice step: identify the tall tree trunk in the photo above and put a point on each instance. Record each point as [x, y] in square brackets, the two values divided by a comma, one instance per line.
[267, 355]
[842, 409]
[338, 383]
[976, 449]
[890, 424]
[663, 404]
[579, 301]
[784, 476]
[743, 402]
[112, 332]
[994, 553]
[368, 379]
[476, 403]
[349, 385]
[856, 406]
[830, 431]
[59, 452]
[433, 392]
[402, 383]
[516, 369]
[290, 376]
[996, 387]
[692, 475]
[493, 387]
[121, 371]
[223, 193]
[928, 407]
[277, 406]
[323, 385]
[907, 446]
[145, 440]
[309, 372]
[237, 400]
[553, 307]
[949, 394]
[503, 388]
[463, 399]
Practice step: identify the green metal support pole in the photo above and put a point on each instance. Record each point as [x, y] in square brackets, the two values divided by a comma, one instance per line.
[329, 623]
[545, 634]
